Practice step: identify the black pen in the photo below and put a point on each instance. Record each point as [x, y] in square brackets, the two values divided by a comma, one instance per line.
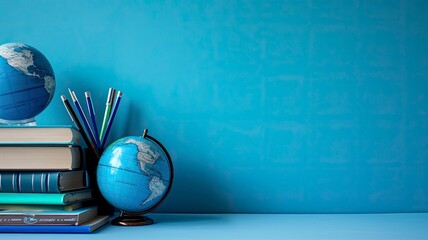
[73, 117]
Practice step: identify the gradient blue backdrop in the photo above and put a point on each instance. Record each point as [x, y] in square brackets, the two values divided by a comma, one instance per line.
[264, 106]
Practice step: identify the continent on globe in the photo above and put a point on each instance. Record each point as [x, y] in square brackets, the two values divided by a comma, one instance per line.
[145, 155]
[157, 188]
[27, 83]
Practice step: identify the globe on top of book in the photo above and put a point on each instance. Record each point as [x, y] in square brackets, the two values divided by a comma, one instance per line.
[135, 175]
[27, 83]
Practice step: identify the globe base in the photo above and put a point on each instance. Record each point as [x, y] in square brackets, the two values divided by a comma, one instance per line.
[26, 122]
[132, 221]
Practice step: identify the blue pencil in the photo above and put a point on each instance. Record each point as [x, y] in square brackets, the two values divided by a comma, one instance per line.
[76, 121]
[110, 120]
[82, 116]
[91, 111]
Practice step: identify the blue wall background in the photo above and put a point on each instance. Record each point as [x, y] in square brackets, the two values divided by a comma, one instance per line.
[264, 106]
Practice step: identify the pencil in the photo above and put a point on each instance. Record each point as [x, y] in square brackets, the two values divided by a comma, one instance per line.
[74, 118]
[83, 118]
[91, 111]
[106, 113]
[110, 120]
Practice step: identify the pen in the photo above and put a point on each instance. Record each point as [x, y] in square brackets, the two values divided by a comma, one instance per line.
[113, 96]
[91, 111]
[83, 117]
[106, 113]
[74, 118]
[110, 121]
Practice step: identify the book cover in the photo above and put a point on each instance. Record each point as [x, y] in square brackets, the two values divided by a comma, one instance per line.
[46, 198]
[18, 158]
[32, 207]
[50, 134]
[46, 216]
[42, 182]
[87, 227]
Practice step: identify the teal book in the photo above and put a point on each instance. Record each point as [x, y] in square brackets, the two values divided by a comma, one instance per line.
[49, 134]
[46, 198]
[50, 217]
[87, 227]
[43, 182]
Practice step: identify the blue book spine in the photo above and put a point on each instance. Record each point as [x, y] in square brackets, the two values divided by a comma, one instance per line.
[30, 182]
[8, 182]
[45, 229]
[52, 181]
[88, 227]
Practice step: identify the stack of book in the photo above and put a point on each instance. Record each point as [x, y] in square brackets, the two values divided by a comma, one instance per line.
[44, 181]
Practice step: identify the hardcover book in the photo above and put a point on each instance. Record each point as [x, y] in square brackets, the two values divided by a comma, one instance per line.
[46, 216]
[42, 182]
[66, 135]
[46, 198]
[14, 157]
[32, 207]
[87, 227]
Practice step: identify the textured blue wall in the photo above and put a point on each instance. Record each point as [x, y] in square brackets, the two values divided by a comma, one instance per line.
[265, 106]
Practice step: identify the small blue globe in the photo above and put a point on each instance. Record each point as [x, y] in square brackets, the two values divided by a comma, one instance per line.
[27, 82]
[134, 174]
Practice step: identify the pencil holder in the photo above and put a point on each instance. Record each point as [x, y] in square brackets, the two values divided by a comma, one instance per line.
[104, 208]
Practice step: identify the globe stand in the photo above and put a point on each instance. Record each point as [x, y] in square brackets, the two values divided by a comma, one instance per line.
[131, 220]
[26, 122]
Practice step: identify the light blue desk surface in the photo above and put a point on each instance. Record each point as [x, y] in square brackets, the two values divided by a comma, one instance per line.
[261, 226]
